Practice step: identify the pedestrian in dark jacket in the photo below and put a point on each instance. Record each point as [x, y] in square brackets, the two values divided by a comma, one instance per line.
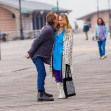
[40, 53]
[85, 30]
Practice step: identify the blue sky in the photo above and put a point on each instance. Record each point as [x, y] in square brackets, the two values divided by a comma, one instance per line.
[79, 7]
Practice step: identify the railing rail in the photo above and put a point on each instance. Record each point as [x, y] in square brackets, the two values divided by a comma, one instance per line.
[14, 35]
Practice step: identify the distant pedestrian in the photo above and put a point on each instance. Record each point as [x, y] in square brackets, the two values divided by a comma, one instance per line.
[3, 37]
[100, 36]
[40, 53]
[76, 28]
[85, 30]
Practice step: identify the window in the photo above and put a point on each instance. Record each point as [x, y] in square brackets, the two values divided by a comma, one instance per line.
[13, 16]
[41, 21]
[37, 22]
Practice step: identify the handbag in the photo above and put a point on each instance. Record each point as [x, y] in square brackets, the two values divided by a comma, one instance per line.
[68, 84]
[97, 38]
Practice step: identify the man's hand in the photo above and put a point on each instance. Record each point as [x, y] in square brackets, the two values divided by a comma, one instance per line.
[27, 56]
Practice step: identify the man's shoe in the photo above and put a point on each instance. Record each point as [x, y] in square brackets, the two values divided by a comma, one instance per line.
[42, 97]
[49, 95]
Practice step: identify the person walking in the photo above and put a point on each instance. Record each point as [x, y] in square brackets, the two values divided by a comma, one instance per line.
[100, 36]
[40, 53]
[62, 52]
[85, 30]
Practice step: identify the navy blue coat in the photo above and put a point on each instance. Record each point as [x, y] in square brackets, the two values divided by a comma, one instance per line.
[43, 44]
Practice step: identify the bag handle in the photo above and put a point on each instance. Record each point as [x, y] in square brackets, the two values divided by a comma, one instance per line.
[68, 71]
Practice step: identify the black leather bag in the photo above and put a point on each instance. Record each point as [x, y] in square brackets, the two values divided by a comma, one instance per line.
[68, 84]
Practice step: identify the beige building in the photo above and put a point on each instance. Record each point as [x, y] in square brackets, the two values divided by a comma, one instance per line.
[91, 19]
[33, 15]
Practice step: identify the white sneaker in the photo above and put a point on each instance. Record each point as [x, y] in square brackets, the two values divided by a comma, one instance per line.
[103, 57]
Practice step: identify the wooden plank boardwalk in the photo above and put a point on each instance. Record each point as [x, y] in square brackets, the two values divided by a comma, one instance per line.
[92, 78]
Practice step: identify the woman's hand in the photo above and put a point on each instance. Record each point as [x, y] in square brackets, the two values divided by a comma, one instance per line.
[27, 56]
[95, 39]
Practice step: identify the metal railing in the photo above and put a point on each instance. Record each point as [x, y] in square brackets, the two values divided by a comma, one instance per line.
[14, 35]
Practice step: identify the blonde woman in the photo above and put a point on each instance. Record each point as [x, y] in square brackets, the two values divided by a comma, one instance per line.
[62, 52]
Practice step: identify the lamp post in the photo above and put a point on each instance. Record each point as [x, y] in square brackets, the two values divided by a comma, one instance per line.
[109, 18]
[0, 46]
[21, 28]
[98, 8]
[57, 7]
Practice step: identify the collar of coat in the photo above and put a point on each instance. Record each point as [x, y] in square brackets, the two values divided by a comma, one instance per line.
[69, 34]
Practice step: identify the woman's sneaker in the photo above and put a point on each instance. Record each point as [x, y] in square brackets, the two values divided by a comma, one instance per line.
[103, 57]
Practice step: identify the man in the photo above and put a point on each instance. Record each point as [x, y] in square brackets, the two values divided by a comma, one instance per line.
[86, 29]
[40, 53]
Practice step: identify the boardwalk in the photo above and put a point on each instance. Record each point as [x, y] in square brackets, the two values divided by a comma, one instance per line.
[92, 78]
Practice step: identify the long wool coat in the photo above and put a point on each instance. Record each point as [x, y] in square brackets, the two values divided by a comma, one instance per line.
[67, 52]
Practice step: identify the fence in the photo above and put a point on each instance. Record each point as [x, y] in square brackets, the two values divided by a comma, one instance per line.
[14, 35]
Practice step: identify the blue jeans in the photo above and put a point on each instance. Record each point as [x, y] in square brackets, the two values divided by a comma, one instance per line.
[101, 45]
[38, 61]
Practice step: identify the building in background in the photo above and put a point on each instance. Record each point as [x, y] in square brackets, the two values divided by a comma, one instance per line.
[33, 15]
[91, 19]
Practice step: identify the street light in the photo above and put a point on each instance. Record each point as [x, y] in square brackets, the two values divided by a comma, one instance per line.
[21, 28]
[109, 18]
[0, 46]
[98, 8]
[57, 7]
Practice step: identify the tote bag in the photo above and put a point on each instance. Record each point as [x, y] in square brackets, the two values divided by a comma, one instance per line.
[68, 84]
